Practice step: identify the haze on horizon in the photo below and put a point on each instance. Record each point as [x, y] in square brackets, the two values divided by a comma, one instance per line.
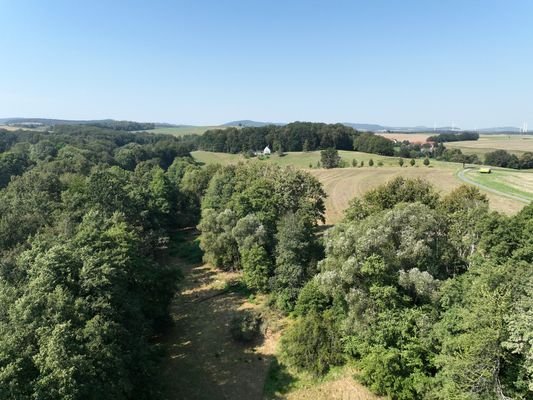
[208, 62]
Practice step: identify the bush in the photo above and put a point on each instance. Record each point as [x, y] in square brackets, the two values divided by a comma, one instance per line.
[313, 344]
[370, 163]
[245, 327]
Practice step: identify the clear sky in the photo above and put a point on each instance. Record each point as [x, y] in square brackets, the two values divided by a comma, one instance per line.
[208, 62]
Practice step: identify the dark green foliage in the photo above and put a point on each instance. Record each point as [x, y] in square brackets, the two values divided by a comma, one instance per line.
[456, 155]
[296, 256]
[370, 163]
[526, 160]
[256, 267]
[501, 158]
[426, 161]
[318, 332]
[245, 327]
[296, 136]
[330, 158]
[80, 292]
[453, 137]
[370, 143]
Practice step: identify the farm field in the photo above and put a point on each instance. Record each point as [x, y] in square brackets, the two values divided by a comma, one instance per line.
[343, 184]
[516, 144]
[412, 137]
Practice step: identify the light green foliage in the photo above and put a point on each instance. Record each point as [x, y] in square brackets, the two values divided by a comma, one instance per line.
[387, 196]
[252, 198]
[431, 297]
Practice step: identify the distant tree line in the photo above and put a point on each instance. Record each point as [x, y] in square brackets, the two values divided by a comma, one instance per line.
[453, 137]
[296, 136]
[81, 146]
[123, 125]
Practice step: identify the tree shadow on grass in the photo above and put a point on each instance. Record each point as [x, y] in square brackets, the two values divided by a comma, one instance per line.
[279, 380]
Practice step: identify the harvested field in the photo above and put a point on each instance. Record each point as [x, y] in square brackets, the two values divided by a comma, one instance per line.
[516, 144]
[412, 137]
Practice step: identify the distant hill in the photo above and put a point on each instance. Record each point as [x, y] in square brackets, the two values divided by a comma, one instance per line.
[250, 123]
[500, 129]
[247, 122]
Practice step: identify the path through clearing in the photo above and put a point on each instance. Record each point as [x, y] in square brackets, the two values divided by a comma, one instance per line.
[204, 361]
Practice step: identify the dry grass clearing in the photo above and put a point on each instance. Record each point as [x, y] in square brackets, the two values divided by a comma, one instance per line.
[343, 388]
[204, 361]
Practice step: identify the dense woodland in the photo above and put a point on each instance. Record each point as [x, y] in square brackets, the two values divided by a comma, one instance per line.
[431, 297]
[84, 213]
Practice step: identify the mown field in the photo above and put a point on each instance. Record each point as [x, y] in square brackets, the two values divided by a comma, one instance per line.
[343, 184]
[516, 144]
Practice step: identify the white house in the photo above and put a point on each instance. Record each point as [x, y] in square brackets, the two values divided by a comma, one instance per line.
[266, 151]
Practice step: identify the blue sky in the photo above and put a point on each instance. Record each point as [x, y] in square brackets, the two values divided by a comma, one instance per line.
[207, 62]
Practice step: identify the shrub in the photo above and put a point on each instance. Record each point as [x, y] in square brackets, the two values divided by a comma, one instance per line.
[245, 327]
[313, 344]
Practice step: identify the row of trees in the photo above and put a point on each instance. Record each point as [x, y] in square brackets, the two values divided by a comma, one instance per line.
[81, 290]
[430, 296]
[453, 137]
